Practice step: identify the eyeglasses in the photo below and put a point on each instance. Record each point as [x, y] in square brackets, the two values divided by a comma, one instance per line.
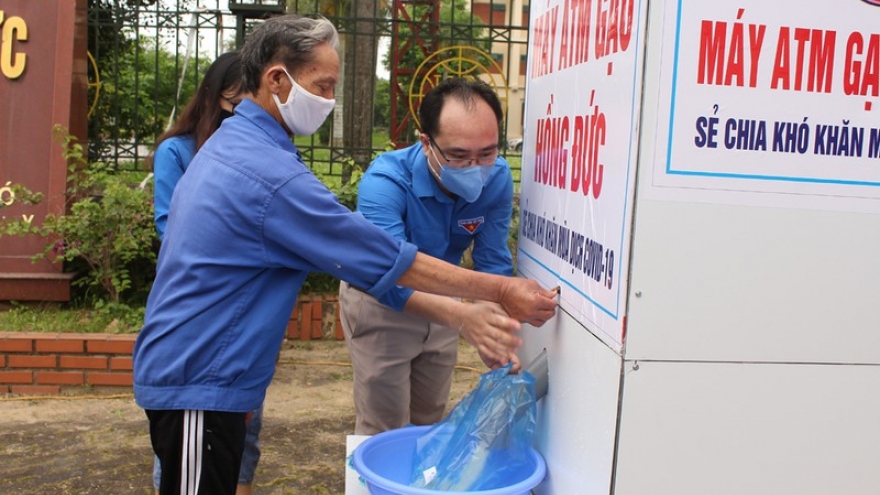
[485, 158]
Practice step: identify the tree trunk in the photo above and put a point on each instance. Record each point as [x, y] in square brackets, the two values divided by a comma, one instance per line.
[359, 82]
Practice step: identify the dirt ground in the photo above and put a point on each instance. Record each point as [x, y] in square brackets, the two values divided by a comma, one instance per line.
[95, 441]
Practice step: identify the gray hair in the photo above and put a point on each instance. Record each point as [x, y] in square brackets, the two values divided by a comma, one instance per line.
[289, 40]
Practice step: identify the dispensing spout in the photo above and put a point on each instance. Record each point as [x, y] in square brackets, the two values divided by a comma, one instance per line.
[539, 368]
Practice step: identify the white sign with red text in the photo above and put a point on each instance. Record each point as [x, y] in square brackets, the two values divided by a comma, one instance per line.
[770, 104]
[579, 155]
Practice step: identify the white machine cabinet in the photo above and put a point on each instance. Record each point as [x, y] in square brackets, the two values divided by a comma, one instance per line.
[702, 179]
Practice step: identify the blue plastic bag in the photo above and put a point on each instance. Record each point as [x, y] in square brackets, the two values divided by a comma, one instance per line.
[484, 440]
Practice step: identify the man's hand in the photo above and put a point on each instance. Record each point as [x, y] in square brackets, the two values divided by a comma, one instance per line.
[528, 302]
[487, 327]
[494, 364]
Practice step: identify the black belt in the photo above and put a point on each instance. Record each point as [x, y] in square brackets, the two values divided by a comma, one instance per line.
[357, 288]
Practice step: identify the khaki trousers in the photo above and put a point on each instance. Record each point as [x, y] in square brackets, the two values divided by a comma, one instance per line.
[402, 364]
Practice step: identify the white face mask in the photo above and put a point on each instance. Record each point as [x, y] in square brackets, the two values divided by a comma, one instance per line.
[303, 112]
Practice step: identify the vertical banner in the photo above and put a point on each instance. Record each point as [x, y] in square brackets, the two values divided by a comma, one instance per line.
[583, 93]
[770, 104]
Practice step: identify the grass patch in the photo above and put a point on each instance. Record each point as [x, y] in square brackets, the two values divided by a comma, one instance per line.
[53, 318]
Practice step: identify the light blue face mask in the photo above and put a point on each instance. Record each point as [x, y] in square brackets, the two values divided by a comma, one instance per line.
[465, 182]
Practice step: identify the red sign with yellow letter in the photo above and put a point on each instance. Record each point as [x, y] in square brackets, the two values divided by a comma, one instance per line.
[43, 83]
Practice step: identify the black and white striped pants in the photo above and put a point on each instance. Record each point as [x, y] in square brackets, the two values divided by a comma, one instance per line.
[199, 451]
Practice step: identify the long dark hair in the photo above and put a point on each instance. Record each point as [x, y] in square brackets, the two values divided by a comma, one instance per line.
[201, 117]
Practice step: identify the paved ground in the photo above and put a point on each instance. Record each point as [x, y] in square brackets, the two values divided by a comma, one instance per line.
[96, 442]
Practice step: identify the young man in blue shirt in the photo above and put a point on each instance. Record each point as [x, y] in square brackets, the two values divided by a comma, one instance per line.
[444, 193]
[246, 225]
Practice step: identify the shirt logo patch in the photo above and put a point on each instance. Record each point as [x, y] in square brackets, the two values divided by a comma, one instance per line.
[471, 224]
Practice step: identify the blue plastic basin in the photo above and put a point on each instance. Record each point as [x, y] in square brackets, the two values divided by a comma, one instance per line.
[385, 462]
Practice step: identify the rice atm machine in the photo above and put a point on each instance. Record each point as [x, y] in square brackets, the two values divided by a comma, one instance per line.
[702, 179]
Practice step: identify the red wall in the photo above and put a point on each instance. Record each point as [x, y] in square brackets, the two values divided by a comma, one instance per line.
[43, 82]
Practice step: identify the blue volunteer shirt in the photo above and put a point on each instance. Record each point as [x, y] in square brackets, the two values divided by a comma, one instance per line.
[248, 221]
[399, 194]
[170, 161]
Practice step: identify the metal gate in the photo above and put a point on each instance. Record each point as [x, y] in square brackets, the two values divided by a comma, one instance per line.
[148, 56]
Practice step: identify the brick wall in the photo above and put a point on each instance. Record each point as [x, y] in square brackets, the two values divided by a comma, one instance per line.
[315, 317]
[45, 363]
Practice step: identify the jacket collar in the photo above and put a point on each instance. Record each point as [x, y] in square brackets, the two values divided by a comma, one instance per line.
[250, 110]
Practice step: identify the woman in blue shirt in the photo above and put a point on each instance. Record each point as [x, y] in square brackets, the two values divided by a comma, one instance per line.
[214, 101]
